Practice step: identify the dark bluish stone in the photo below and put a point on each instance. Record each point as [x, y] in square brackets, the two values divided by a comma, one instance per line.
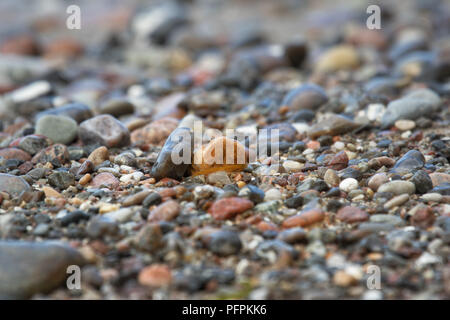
[422, 181]
[411, 161]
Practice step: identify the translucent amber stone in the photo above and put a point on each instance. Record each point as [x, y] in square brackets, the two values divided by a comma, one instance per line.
[221, 154]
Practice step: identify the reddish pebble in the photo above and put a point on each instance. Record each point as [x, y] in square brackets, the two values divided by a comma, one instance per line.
[351, 214]
[438, 178]
[423, 218]
[166, 211]
[105, 179]
[156, 275]
[228, 208]
[154, 133]
[339, 161]
[377, 163]
[304, 219]
[313, 144]
[13, 153]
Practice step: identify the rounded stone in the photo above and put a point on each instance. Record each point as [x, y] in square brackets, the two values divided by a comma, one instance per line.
[338, 58]
[60, 129]
[405, 125]
[306, 96]
[99, 155]
[377, 180]
[227, 208]
[331, 178]
[348, 185]
[422, 181]
[272, 194]
[104, 130]
[398, 187]
[224, 243]
[13, 185]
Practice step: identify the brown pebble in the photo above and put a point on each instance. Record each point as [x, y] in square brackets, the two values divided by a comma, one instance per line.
[156, 275]
[85, 179]
[350, 214]
[166, 211]
[99, 155]
[304, 219]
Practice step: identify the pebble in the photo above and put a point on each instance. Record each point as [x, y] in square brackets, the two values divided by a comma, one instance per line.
[77, 111]
[51, 193]
[253, 193]
[132, 177]
[121, 215]
[339, 161]
[28, 268]
[152, 199]
[149, 238]
[105, 179]
[292, 235]
[219, 177]
[410, 161]
[396, 201]
[377, 180]
[443, 189]
[125, 159]
[100, 226]
[234, 160]
[348, 185]
[306, 96]
[422, 181]
[155, 276]
[32, 144]
[116, 107]
[99, 155]
[154, 133]
[13, 185]
[398, 187]
[405, 125]
[432, 197]
[86, 167]
[332, 125]
[56, 154]
[104, 130]
[166, 211]
[135, 199]
[272, 194]
[304, 218]
[438, 178]
[387, 219]
[331, 178]
[417, 103]
[294, 202]
[228, 208]
[337, 58]
[350, 214]
[164, 166]
[85, 179]
[73, 217]
[292, 166]
[60, 129]
[224, 243]
[61, 179]
[423, 218]
[286, 132]
[14, 153]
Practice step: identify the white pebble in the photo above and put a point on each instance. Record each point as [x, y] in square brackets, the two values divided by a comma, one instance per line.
[292, 166]
[339, 145]
[348, 185]
[135, 176]
[272, 194]
[432, 197]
